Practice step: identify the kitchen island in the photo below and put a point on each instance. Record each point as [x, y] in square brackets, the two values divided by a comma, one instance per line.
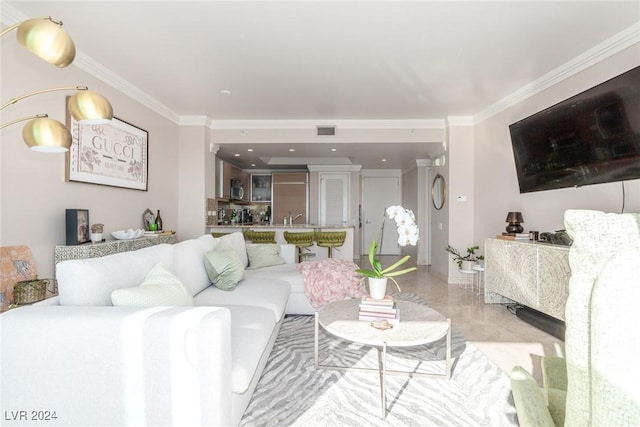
[345, 251]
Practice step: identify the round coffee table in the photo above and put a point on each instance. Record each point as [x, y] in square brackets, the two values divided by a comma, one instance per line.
[418, 325]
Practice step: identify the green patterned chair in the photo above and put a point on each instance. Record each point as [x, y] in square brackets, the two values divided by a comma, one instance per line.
[217, 234]
[260, 236]
[303, 241]
[330, 240]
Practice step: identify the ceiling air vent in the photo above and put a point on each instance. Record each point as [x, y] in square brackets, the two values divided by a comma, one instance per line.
[326, 130]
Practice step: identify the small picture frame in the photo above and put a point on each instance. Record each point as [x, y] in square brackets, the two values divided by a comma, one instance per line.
[78, 231]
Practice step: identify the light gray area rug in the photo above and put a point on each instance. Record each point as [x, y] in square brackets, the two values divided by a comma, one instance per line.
[292, 392]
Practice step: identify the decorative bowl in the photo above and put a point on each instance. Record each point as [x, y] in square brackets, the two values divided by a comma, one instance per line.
[127, 234]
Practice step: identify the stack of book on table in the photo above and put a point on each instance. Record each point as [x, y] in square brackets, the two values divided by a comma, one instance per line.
[513, 236]
[158, 233]
[378, 309]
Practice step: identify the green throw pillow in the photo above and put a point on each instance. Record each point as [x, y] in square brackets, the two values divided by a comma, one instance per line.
[224, 267]
[159, 288]
[263, 255]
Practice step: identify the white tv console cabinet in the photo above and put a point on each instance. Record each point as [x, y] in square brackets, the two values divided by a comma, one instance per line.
[530, 273]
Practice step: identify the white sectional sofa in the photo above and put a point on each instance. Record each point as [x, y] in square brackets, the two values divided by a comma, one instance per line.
[92, 363]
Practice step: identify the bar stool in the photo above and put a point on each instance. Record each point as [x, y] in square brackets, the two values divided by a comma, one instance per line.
[302, 240]
[330, 239]
[260, 236]
[217, 234]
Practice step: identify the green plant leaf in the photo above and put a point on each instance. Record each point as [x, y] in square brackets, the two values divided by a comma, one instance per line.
[398, 273]
[368, 273]
[396, 264]
[372, 253]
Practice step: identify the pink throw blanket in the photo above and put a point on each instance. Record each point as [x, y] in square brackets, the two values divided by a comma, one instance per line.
[330, 280]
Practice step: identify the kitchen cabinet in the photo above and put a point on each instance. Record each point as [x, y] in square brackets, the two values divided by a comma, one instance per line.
[290, 197]
[261, 188]
[226, 173]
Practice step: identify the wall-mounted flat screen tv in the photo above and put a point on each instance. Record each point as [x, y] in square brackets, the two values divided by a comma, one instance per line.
[590, 138]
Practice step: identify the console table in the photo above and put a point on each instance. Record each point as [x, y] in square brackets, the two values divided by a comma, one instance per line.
[94, 250]
[530, 273]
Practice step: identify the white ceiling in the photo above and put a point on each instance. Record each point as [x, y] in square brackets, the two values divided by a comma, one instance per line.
[329, 60]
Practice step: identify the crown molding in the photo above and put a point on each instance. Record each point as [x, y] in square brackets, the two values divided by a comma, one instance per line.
[88, 64]
[194, 121]
[623, 40]
[460, 121]
[339, 124]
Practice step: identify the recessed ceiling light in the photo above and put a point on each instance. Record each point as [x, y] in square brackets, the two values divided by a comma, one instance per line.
[242, 132]
[225, 92]
[250, 150]
[236, 155]
[384, 160]
[292, 149]
[253, 165]
[334, 149]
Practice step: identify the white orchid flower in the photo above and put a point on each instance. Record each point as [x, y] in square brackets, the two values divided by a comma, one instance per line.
[393, 211]
[408, 234]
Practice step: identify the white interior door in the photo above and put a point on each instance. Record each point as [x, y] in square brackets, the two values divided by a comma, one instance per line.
[377, 194]
[334, 198]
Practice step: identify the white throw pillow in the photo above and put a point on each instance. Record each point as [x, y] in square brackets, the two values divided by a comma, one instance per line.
[263, 255]
[159, 288]
[236, 241]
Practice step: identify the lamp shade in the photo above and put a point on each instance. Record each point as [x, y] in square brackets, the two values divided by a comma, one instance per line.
[47, 135]
[515, 217]
[90, 107]
[47, 40]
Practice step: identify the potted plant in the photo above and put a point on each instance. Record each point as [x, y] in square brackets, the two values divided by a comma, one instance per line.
[465, 262]
[407, 234]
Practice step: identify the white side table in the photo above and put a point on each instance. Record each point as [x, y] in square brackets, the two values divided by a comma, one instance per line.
[467, 279]
[478, 279]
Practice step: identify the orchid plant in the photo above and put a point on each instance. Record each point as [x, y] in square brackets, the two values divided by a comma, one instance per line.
[408, 233]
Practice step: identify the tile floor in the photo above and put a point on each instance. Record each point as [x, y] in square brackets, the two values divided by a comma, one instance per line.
[503, 337]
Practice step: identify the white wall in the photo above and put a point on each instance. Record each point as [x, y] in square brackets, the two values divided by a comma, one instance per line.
[461, 195]
[495, 181]
[34, 194]
[193, 159]
[440, 223]
[409, 200]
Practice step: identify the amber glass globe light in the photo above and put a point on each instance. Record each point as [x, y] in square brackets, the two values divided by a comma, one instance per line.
[514, 219]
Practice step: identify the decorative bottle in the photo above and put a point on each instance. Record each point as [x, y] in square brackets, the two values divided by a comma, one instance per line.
[159, 221]
[267, 215]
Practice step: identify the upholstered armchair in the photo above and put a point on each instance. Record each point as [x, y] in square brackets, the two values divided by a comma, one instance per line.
[602, 331]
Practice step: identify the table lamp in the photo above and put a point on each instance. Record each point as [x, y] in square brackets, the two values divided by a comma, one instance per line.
[514, 219]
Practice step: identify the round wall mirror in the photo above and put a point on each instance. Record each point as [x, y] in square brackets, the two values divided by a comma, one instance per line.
[438, 191]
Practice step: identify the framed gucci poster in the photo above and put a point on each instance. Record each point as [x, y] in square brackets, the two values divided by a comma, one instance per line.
[114, 154]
